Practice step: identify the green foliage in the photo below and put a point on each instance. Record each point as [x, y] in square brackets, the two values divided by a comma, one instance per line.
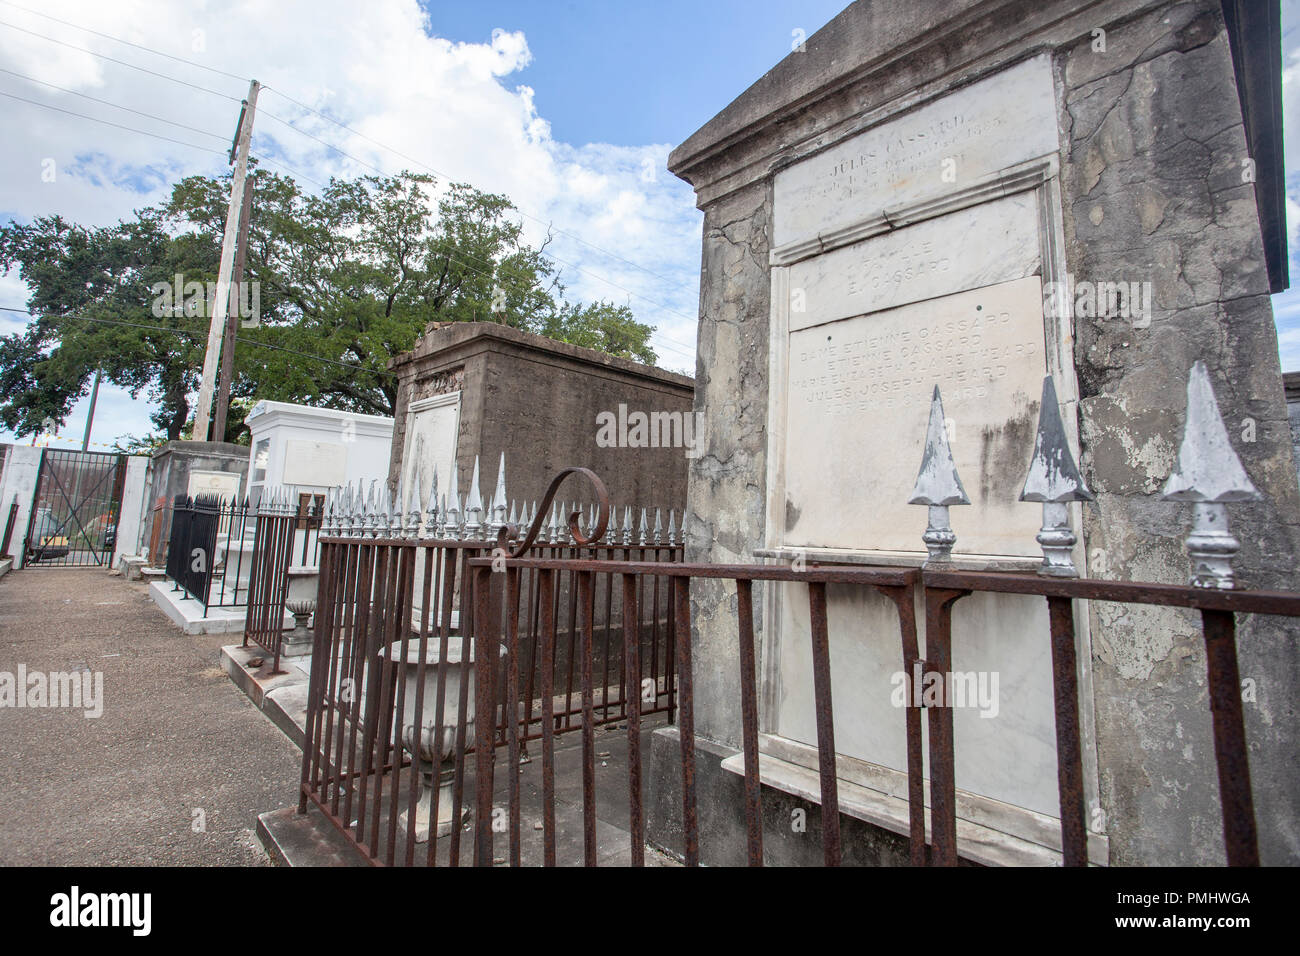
[347, 279]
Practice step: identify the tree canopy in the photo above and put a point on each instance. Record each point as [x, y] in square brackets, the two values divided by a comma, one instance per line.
[346, 279]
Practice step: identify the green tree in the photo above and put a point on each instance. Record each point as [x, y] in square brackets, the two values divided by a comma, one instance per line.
[347, 279]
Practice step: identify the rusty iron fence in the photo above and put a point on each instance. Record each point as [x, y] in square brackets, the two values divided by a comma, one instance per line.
[940, 591]
[286, 536]
[9, 528]
[395, 590]
[486, 622]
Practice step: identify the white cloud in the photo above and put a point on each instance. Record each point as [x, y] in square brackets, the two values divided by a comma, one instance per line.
[447, 103]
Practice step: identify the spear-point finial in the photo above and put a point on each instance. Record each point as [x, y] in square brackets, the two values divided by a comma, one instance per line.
[370, 509]
[938, 485]
[1209, 474]
[1054, 480]
[672, 526]
[499, 497]
[431, 512]
[451, 511]
[627, 524]
[473, 506]
[659, 526]
[413, 506]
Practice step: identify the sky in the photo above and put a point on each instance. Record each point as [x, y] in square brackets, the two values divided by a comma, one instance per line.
[569, 107]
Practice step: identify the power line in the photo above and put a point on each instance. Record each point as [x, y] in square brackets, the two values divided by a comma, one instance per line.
[129, 129]
[116, 106]
[108, 36]
[666, 341]
[111, 59]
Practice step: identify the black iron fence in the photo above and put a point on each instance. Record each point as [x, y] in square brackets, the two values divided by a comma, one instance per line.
[206, 557]
[73, 521]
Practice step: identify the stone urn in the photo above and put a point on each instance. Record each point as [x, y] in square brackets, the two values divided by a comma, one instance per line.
[298, 642]
[430, 755]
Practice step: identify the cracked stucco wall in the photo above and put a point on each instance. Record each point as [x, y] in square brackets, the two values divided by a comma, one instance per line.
[1152, 144]
[727, 493]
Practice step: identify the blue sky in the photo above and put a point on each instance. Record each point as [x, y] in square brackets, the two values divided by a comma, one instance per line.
[638, 72]
[569, 107]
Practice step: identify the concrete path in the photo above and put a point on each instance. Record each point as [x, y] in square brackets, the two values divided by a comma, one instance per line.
[176, 769]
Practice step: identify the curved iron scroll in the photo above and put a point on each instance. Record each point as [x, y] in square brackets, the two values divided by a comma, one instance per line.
[602, 514]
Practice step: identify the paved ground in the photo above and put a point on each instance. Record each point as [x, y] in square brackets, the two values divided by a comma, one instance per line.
[178, 742]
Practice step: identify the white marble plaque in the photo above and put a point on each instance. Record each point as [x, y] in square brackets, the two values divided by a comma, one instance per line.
[432, 428]
[945, 145]
[320, 463]
[979, 246]
[223, 483]
[857, 402]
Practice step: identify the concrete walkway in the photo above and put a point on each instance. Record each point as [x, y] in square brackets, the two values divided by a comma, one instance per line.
[176, 769]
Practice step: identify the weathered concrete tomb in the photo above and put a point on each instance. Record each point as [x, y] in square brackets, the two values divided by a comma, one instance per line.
[973, 194]
[476, 390]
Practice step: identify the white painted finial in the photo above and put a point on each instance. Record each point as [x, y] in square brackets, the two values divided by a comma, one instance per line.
[1054, 480]
[1209, 474]
[938, 485]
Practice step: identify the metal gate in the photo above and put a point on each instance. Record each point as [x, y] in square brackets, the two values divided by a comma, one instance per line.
[75, 513]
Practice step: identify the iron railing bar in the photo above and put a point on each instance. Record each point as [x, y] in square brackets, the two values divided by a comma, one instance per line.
[586, 596]
[825, 717]
[1286, 603]
[686, 723]
[511, 708]
[546, 587]
[943, 782]
[749, 720]
[632, 705]
[1235, 797]
[1069, 758]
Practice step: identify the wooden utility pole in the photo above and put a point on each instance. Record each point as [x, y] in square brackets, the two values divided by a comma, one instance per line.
[221, 305]
[232, 319]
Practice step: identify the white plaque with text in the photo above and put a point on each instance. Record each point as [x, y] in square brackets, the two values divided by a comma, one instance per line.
[975, 131]
[858, 401]
[322, 463]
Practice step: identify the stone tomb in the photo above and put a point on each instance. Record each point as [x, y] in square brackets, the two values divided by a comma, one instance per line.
[910, 201]
[889, 279]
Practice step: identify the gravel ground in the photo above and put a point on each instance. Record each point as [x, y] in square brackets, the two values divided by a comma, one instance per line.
[176, 769]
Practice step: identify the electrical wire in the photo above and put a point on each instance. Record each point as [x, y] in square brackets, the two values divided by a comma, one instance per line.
[108, 36]
[116, 106]
[129, 129]
[111, 59]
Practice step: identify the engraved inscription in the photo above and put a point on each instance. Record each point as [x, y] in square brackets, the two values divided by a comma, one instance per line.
[860, 372]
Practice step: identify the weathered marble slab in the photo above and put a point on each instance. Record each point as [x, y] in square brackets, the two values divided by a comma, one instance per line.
[222, 483]
[904, 160]
[1004, 749]
[974, 247]
[315, 462]
[858, 397]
